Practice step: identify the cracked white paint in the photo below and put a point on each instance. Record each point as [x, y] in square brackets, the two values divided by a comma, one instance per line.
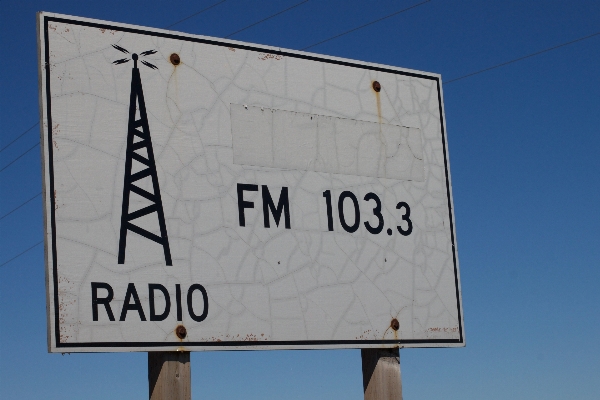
[291, 140]
[264, 284]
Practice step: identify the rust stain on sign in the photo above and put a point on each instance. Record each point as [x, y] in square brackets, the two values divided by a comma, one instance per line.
[368, 334]
[268, 56]
[175, 60]
[394, 327]
[376, 86]
[181, 332]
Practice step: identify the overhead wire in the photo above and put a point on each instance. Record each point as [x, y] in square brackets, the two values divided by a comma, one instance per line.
[521, 58]
[21, 253]
[196, 13]
[19, 206]
[266, 19]
[367, 24]
[21, 155]
[19, 137]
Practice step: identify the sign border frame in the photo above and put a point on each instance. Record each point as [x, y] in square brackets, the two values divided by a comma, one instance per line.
[55, 344]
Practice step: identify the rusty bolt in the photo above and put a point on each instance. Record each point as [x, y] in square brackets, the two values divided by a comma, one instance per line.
[181, 332]
[395, 324]
[175, 60]
[376, 86]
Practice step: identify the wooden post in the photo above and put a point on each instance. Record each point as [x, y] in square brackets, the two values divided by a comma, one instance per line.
[381, 374]
[169, 375]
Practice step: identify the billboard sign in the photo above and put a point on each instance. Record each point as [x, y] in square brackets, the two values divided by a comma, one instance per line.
[209, 194]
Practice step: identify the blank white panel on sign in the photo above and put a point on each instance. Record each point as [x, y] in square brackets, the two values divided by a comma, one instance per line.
[293, 140]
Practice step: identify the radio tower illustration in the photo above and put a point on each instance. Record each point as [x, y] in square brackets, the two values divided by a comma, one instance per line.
[140, 128]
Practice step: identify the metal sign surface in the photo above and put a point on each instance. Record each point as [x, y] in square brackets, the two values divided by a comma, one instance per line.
[207, 194]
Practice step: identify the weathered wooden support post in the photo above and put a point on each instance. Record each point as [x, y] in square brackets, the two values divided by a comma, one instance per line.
[381, 374]
[169, 375]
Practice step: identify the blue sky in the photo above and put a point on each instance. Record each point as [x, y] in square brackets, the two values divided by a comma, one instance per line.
[524, 141]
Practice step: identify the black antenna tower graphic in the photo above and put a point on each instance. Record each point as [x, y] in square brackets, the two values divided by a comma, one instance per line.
[137, 96]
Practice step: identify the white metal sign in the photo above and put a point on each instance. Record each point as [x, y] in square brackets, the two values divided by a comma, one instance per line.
[208, 194]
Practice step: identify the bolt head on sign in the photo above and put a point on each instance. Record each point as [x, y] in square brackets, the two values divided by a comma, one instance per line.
[207, 194]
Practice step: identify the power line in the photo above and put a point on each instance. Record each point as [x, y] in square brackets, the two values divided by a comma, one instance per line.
[367, 24]
[22, 154]
[522, 58]
[265, 19]
[21, 253]
[19, 137]
[21, 205]
[197, 13]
